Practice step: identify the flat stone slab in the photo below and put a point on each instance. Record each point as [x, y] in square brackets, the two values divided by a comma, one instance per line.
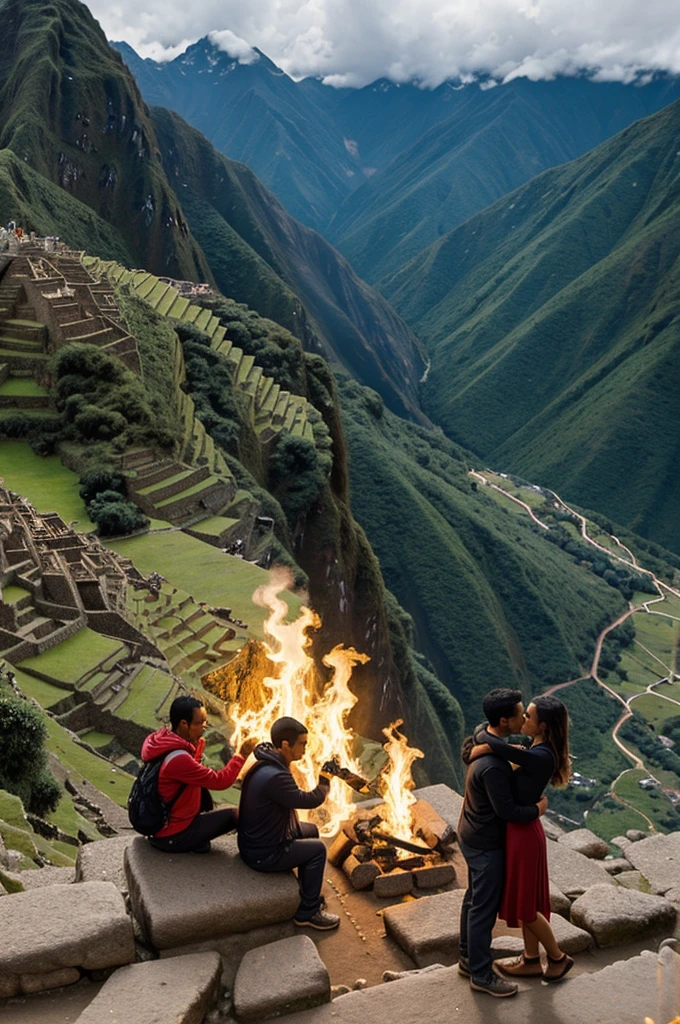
[103, 861]
[585, 842]
[182, 898]
[573, 873]
[634, 880]
[280, 978]
[428, 929]
[624, 993]
[617, 915]
[64, 926]
[445, 801]
[42, 877]
[177, 991]
[570, 938]
[658, 859]
[552, 831]
[615, 865]
[232, 948]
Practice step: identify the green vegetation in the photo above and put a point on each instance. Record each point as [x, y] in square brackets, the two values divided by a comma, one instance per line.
[551, 321]
[47, 484]
[23, 762]
[111, 781]
[75, 657]
[639, 732]
[491, 599]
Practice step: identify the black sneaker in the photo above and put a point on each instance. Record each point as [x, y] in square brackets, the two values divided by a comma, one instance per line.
[464, 966]
[494, 986]
[322, 921]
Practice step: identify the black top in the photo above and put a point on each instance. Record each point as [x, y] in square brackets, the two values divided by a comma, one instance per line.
[537, 765]
[489, 803]
[267, 818]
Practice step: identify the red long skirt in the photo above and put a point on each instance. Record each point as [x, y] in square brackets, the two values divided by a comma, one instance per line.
[527, 889]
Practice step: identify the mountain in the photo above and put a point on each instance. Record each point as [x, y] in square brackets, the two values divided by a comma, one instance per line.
[70, 111]
[256, 114]
[229, 209]
[553, 323]
[492, 141]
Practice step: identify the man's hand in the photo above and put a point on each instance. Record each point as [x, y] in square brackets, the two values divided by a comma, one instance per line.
[542, 805]
[248, 746]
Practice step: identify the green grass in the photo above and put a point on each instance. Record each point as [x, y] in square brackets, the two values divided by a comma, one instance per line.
[70, 660]
[47, 484]
[46, 694]
[655, 710]
[148, 690]
[215, 525]
[18, 835]
[96, 738]
[115, 784]
[189, 492]
[22, 387]
[203, 572]
[13, 594]
[653, 802]
[639, 674]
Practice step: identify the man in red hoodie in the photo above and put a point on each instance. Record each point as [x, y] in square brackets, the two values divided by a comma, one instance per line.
[189, 830]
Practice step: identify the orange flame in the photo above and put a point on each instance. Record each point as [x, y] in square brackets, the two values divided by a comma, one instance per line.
[294, 692]
[396, 783]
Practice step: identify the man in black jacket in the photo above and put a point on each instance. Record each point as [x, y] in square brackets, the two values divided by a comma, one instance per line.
[270, 835]
[489, 803]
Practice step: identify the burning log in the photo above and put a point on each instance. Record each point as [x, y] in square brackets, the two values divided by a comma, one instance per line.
[362, 876]
[340, 849]
[436, 832]
[362, 853]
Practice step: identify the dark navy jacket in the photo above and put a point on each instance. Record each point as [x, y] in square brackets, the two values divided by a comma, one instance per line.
[267, 811]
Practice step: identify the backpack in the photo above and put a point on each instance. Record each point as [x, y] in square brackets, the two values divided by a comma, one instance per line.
[147, 812]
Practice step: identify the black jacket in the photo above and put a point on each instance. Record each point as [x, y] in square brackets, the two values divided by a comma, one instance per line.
[489, 803]
[269, 798]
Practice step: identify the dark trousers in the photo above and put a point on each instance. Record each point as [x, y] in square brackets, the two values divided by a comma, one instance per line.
[308, 855]
[202, 829]
[486, 876]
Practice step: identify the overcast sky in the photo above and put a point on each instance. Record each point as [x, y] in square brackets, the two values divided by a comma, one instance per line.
[353, 42]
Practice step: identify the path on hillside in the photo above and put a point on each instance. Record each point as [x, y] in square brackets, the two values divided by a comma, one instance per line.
[660, 586]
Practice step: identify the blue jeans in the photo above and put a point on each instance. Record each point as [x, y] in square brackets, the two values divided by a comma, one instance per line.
[486, 876]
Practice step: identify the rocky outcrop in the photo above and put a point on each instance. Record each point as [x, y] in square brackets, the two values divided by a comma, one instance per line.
[658, 859]
[586, 842]
[617, 915]
[573, 873]
[428, 930]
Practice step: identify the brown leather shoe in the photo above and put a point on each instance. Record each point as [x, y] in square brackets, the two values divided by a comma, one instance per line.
[525, 967]
[556, 969]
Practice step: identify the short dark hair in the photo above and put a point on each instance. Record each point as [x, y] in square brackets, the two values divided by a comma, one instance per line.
[182, 710]
[286, 729]
[500, 703]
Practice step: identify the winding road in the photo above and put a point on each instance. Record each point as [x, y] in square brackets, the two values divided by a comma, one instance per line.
[662, 588]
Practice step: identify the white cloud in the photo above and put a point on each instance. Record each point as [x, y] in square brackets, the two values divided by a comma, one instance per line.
[353, 42]
[234, 47]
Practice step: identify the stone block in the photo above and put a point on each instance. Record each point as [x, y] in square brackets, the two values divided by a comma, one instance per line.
[428, 929]
[658, 858]
[673, 895]
[435, 876]
[102, 861]
[445, 801]
[586, 842]
[573, 873]
[505, 946]
[280, 978]
[179, 899]
[621, 842]
[180, 991]
[614, 915]
[552, 831]
[394, 883]
[570, 938]
[31, 983]
[232, 948]
[615, 865]
[42, 877]
[65, 926]
[559, 903]
[636, 835]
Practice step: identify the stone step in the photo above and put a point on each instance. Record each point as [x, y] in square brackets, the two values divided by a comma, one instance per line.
[183, 481]
[281, 978]
[11, 344]
[181, 990]
[23, 329]
[22, 360]
[144, 478]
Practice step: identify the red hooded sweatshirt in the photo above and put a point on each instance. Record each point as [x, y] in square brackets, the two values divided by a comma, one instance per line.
[184, 768]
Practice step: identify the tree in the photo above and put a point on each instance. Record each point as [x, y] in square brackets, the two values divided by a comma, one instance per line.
[23, 761]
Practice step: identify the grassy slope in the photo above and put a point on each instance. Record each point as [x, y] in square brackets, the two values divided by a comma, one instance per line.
[47, 484]
[70, 109]
[552, 320]
[493, 602]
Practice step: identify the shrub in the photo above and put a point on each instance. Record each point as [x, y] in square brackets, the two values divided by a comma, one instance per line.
[23, 761]
[94, 481]
[114, 515]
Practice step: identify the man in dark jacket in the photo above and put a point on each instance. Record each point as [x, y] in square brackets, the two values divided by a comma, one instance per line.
[489, 803]
[189, 830]
[270, 835]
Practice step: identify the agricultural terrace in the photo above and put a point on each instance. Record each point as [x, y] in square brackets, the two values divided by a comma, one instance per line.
[48, 485]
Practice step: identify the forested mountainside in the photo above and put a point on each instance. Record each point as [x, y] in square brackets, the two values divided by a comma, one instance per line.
[553, 323]
[70, 110]
[385, 170]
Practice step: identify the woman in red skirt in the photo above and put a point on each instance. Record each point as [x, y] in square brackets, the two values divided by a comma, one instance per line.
[526, 898]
